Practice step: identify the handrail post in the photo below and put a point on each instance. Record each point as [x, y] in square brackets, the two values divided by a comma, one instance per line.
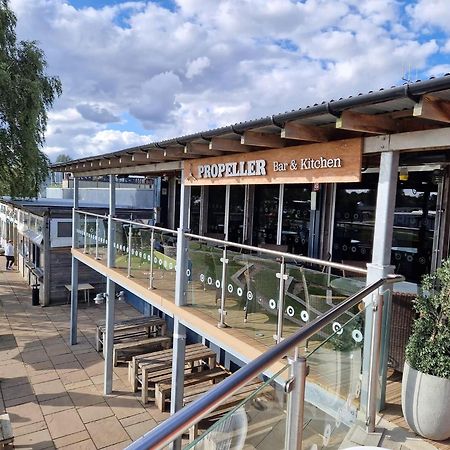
[222, 312]
[282, 277]
[96, 238]
[295, 403]
[152, 244]
[374, 368]
[85, 234]
[130, 235]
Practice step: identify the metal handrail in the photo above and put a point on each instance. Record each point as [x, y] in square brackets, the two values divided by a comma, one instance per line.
[173, 427]
[101, 216]
[278, 254]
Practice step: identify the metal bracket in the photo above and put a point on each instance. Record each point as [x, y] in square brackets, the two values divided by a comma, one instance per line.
[224, 260]
[289, 385]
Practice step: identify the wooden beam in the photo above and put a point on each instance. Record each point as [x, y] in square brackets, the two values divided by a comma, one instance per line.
[308, 133]
[366, 123]
[259, 139]
[228, 145]
[195, 148]
[175, 153]
[432, 108]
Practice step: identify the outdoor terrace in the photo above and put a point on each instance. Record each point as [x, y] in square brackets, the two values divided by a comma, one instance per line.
[53, 391]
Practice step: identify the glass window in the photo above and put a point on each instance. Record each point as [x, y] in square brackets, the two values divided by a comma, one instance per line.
[236, 217]
[216, 210]
[64, 229]
[296, 215]
[265, 214]
[414, 217]
[195, 209]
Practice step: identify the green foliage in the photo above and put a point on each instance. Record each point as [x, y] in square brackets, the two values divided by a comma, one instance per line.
[428, 349]
[26, 94]
[62, 158]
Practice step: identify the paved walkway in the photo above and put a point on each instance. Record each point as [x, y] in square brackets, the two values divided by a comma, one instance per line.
[53, 392]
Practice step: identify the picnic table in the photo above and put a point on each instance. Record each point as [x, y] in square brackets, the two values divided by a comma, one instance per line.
[156, 367]
[128, 329]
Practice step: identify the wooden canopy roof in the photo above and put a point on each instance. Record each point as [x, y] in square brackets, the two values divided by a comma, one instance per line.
[419, 106]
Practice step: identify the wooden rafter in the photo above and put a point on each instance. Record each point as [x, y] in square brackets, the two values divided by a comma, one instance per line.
[366, 123]
[433, 108]
[228, 145]
[308, 133]
[195, 148]
[259, 139]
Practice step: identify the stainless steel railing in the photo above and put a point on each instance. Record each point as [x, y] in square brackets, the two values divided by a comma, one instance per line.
[173, 427]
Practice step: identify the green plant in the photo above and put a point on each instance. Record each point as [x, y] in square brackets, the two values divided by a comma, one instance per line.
[428, 349]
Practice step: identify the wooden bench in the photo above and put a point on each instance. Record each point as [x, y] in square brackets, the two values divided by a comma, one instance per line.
[200, 356]
[163, 389]
[225, 407]
[152, 342]
[163, 356]
[130, 329]
[6, 433]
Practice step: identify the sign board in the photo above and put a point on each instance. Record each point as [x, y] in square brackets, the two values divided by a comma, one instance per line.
[329, 162]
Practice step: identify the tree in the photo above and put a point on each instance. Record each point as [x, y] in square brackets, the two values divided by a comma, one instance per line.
[62, 158]
[26, 94]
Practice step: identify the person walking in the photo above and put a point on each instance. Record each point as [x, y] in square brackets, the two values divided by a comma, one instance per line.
[9, 253]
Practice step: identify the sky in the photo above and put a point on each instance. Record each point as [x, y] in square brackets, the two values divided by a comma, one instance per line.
[135, 72]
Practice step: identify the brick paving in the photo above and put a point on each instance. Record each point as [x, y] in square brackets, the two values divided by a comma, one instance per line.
[52, 391]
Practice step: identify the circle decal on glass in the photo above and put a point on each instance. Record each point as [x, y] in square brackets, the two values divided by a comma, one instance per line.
[209, 280]
[409, 258]
[160, 262]
[344, 247]
[249, 295]
[357, 336]
[230, 288]
[155, 260]
[272, 304]
[239, 291]
[149, 258]
[170, 266]
[217, 284]
[202, 277]
[304, 316]
[188, 273]
[290, 311]
[337, 328]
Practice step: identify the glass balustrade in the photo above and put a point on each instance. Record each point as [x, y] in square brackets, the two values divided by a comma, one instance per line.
[121, 238]
[334, 357]
[254, 417]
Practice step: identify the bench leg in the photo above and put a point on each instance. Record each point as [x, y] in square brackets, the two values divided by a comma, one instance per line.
[115, 351]
[97, 341]
[193, 432]
[144, 393]
[160, 399]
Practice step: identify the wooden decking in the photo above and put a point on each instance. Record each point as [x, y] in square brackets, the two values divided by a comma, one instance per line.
[393, 412]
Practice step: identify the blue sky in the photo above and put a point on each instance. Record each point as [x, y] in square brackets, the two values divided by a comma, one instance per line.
[138, 71]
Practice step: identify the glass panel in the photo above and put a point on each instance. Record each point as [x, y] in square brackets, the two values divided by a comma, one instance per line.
[296, 215]
[236, 217]
[334, 358]
[216, 210]
[257, 420]
[79, 236]
[121, 245]
[162, 268]
[102, 238]
[265, 214]
[311, 292]
[194, 216]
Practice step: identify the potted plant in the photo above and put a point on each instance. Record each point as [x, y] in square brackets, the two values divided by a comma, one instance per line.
[426, 375]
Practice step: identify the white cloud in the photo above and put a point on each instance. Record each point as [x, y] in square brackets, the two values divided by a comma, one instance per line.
[165, 73]
[197, 66]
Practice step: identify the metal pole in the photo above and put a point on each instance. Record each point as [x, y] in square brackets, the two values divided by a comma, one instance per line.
[152, 244]
[296, 387]
[375, 350]
[222, 311]
[85, 233]
[96, 238]
[74, 271]
[179, 335]
[280, 214]
[282, 277]
[110, 292]
[130, 236]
